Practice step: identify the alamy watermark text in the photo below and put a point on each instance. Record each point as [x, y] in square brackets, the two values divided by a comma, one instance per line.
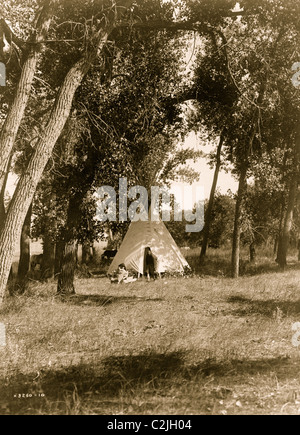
[161, 203]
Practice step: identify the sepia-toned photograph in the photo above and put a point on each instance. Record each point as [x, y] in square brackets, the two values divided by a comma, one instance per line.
[149, 210]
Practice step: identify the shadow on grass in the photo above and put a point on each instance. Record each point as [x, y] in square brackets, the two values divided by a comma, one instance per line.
[267, 308]
[107, 381]
[104, 380]
[103, 300]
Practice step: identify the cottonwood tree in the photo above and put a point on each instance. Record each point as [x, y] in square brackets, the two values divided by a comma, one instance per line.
[252, 50]
[280, 119]
[277, 26]
[215, 104]
[288, 136]
[127, 126]
[264, 201]
[90, 35]
[97, 28]
[251, 46]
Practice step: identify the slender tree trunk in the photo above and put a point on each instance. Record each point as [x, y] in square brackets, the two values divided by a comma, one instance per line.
[48, 262]
[211, 201]
[275, 245]
[2, 206]
[86, 252]
[24, 262]
[76, 253]
[235, 260]
[2, 193]
[59, 248]
[252, 252]
[284, 237]
[278, 242]
[111, 237]
[65, 284]
[24, 193]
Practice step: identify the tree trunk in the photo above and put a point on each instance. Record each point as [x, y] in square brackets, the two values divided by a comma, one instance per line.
[275, 245]
[66, 276]
[252, 252]
[2, 193]
[59, 248]
[69, 249]
[278, 242]
[48, 262]
[68, 261]
[86, 253]
[284, 237]
[235, 260]
[15, 115]
[24, 263]
[26, 187]
[111, 237]
[211, 202]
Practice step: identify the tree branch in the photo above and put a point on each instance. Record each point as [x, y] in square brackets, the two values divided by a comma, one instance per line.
[6, 31]
[230, 73]
[182, 97]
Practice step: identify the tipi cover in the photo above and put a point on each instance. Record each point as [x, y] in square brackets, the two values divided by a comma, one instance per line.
[155, 235]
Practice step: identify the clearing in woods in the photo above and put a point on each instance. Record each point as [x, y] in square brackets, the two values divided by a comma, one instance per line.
[200, 345]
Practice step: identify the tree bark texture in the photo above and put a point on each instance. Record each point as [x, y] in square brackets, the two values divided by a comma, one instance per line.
[26, 187]
[23, 196]
[24, 262]
[68, 260]
[59, 248]
[2, 193]
[65, 284]
[284, 237]
[235, 260]
[15, 115]
[252, 252]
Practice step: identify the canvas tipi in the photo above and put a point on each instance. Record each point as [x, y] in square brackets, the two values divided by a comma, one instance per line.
[155, 235]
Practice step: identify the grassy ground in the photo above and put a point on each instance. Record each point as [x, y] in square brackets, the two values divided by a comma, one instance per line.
[200, 345]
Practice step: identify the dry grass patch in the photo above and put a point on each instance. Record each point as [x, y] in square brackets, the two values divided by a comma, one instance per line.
[201, 345]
